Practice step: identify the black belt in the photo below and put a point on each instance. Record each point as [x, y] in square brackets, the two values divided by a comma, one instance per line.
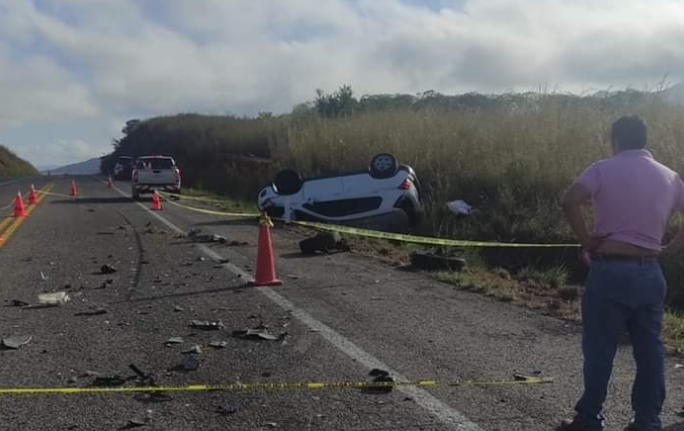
[623, 258]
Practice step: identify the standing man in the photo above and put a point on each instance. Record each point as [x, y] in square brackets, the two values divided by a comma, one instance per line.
[633, 197]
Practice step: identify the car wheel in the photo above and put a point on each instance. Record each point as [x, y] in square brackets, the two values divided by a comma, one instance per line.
[383, 166]
[287, 182]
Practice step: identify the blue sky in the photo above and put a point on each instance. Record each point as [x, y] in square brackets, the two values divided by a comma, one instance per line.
[73, 71]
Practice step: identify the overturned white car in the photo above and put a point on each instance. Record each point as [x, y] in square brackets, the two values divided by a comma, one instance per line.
[385, 196]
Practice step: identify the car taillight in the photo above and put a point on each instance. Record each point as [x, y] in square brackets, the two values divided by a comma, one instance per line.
[177, 174]
[406, 184]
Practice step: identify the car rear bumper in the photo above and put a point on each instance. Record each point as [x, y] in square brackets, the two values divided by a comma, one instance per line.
[148, 188]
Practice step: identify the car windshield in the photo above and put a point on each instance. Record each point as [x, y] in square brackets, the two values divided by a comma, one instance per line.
[155, 164]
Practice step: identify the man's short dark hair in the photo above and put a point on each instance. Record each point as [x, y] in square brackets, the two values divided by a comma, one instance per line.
[629, 133]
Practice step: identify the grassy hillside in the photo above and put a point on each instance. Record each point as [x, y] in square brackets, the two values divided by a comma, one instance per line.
[13, 166]
[510, 156]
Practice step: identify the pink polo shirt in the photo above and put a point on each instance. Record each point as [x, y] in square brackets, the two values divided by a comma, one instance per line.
[633, 197]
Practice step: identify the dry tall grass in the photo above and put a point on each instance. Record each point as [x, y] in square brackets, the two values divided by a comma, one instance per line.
[511, 158]
[512, 165]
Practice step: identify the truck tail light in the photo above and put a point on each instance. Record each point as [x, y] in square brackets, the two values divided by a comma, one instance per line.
[178, 175]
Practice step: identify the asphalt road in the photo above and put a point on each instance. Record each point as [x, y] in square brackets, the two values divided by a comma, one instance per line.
[341, 315]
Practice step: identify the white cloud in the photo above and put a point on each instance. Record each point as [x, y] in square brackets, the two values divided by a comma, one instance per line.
[80, 59]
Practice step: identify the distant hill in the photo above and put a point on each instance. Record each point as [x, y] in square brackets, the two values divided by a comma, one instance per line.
[89, 167]
[12, 166]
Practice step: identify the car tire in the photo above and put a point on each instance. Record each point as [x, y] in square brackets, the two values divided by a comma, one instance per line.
[383, 165]
[287, 182]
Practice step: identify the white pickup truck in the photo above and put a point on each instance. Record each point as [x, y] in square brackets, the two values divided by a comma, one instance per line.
[155, 172]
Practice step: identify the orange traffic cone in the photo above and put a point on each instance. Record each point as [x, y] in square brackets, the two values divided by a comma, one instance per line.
[19, 210]
[74, 190]
[156, 201]
[265, 271]
[33, 196]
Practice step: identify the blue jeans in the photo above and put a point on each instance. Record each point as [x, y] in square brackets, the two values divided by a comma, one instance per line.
[623, 296]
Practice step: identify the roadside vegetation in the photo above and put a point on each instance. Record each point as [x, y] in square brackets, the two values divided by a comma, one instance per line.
[510, 156]
[12, 166]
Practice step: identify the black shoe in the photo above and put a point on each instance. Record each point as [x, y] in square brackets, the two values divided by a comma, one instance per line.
[576, 425]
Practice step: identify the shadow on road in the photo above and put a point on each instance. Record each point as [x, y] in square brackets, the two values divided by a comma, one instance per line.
[236, 289]
[91, 201]
[675, 427]
[234, 222]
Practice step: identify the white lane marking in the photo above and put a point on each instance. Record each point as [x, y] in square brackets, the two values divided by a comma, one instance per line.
[445, 413]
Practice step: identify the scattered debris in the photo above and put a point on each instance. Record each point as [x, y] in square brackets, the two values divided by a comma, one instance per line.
[257, 334]
[178, 308]
[17, 303]
[106, 284]
[326, 242]
[460, 207]
[136, 423]
[380, 376]
[207, 325]
[226, 411]
[15, 342]
[218, 344]
[43, 276]
[107, 269]
[201, 259]
[53, 299]
[271, 424]
[109, 381]
[189, 363]
[197, 236]
[142, 376]
[237, 243]
[222, 260]
[523, 377]
[173, 340]
[439, 260]
[678, 366]
[96, 312]
[194, 350]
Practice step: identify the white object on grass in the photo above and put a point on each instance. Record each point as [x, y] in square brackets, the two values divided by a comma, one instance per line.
[459, 207]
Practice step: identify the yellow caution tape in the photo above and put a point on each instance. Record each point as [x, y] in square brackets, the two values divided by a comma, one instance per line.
[266, 386]
[192, 198]
[213, 212]
[421, 239]
[265, 220]
[384, 235]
